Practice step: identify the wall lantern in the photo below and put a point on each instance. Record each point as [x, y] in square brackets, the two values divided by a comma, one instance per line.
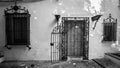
[95, 18]
[57, 17]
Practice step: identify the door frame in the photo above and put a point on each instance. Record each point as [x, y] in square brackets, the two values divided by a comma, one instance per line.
[86, 37]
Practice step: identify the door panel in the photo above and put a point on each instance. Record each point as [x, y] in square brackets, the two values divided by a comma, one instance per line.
[75, 38]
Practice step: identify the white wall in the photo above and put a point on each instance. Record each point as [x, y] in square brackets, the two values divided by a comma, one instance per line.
[97, 48]
[42, 15]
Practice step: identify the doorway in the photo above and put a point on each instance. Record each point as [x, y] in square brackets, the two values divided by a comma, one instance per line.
[73, 38]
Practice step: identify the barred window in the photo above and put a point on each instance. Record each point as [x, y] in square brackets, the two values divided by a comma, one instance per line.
[17, 26]
[109, 29]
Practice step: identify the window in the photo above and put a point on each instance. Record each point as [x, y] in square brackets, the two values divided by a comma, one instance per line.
[17, 27]
[109, 29]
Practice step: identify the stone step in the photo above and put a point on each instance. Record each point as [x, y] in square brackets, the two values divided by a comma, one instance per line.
[74, 58]
[115, 57]
[106, 63]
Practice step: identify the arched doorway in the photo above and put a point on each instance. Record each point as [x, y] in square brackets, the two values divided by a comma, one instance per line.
[73, 35]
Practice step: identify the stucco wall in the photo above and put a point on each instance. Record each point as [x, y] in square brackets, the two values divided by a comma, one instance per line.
[42, 15]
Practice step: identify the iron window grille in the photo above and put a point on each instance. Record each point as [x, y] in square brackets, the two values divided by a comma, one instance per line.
[109, 29]
[17, 26]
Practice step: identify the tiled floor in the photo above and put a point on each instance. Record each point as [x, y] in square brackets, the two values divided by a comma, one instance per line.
[66, 64]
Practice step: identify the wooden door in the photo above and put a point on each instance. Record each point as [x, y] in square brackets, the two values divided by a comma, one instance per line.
[76, 38]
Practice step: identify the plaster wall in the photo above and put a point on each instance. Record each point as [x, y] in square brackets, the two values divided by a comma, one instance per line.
[42, 18]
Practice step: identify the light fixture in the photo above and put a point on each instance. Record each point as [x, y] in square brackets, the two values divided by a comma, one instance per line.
[57, 17]
[95, 18]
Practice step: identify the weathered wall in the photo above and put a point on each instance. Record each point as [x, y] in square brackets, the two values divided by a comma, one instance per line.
[42, 15]
[97, 48]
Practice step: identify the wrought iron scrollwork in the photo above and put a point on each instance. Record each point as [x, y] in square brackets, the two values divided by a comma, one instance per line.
[110, 19]
[16, 9]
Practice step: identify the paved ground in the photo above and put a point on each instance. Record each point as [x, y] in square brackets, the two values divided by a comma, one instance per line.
[66, 64]
[76, 64]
